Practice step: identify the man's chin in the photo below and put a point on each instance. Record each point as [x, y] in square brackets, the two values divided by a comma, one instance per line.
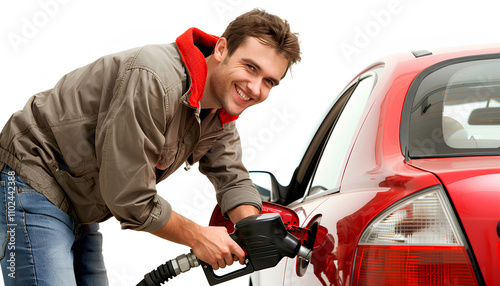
[234, 111]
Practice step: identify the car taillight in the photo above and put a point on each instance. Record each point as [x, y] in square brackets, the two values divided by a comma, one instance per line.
[415, 242]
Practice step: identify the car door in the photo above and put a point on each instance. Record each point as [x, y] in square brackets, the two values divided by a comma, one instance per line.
[322, 208]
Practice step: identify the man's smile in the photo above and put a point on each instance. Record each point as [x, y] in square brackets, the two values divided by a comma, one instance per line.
[242, 94]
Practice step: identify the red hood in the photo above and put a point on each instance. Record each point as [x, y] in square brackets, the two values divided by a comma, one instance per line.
[473, 184]
[194, 45]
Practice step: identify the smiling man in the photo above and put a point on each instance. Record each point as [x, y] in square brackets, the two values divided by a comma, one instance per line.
[96, 145]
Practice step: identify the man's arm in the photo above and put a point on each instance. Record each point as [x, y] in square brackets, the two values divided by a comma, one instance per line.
[210, 244]
[241, 212]
[128, 146]
[223, 166]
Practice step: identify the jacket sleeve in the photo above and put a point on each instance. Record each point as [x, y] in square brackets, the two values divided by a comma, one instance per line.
[133, 139]
[224, 168]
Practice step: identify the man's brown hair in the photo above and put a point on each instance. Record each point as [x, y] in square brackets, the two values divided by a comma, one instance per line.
[269, 29]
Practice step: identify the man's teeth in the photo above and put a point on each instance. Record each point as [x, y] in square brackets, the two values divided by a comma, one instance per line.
[242, 95]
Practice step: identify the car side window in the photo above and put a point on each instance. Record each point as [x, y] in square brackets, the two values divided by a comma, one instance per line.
[455, 110]
[329, 168]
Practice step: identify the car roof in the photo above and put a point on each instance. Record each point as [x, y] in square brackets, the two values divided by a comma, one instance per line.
[424, 58]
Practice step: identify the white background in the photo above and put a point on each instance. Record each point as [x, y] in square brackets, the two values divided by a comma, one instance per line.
[42, 40]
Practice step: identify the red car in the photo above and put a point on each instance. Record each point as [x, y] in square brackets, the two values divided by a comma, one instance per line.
[401, 183]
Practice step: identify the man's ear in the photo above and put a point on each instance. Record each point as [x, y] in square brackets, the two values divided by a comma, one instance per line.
[220, 50]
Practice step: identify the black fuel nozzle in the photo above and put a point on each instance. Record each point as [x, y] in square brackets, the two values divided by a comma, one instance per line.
[264, 238]
[266, 241]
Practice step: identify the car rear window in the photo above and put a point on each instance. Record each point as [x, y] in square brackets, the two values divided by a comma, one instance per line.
[456, 110]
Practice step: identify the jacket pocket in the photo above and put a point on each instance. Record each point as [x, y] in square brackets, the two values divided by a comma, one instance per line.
[202, 149]
[171, 158]
[198, 153]
[168, 156]
[85, 196]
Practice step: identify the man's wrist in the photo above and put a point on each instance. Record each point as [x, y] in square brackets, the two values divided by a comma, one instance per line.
[241, 212]
[180, 230]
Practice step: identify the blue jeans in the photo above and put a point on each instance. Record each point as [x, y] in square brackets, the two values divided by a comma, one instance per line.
[42, 245]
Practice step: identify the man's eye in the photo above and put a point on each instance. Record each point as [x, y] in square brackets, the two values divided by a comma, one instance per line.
[250, 67]
[270, 82]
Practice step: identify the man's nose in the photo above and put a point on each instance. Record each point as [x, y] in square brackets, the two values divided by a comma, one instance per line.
[254, 86]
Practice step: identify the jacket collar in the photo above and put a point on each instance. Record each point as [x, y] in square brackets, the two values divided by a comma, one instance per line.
[194, 45]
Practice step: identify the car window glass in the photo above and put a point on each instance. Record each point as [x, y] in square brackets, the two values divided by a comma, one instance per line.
[474, 113]
[331, 164]
[456, 111]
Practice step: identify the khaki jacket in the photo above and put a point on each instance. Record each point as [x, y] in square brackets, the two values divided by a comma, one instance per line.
[97, 143]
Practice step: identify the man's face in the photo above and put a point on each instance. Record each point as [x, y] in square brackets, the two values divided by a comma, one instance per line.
[246, 77]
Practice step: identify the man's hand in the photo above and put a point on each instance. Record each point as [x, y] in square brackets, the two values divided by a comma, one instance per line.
[210, 244]
[216, 247]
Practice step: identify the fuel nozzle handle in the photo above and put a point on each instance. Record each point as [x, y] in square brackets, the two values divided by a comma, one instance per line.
[266, 241]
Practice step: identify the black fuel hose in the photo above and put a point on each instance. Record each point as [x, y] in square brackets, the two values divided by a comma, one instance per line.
[169, 270]
[161, 274]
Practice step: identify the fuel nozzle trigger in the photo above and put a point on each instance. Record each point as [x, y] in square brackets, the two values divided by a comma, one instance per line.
[265, 240]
